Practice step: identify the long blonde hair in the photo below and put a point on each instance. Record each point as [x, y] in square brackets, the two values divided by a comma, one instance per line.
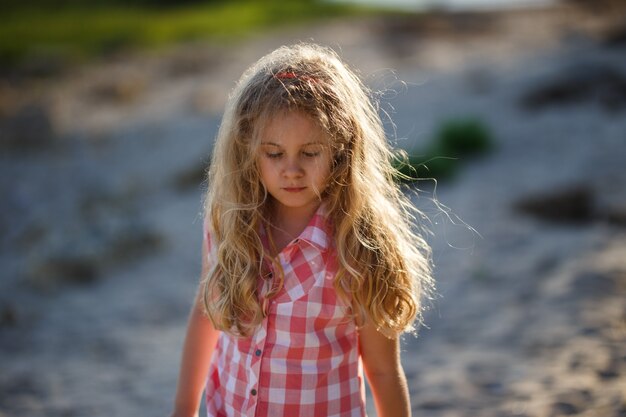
[385, 267]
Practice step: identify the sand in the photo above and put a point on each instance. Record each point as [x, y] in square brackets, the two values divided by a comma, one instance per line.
[100, 220]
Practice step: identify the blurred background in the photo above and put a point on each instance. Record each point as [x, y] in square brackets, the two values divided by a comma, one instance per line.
[512, 112]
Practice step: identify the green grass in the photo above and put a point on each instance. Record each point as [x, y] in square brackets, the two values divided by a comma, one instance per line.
[80, 32]
[455, 141]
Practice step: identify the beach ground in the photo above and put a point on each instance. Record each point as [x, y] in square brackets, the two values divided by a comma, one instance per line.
[102, 171]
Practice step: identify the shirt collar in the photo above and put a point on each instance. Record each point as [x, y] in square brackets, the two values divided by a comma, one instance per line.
[318, 231]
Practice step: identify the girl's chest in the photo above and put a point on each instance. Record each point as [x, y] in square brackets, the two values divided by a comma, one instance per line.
[317, 321]
[308, 301]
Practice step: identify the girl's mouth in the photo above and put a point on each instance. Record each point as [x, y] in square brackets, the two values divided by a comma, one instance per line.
[294, 189]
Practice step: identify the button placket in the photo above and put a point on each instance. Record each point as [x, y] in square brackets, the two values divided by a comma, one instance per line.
[258, 344]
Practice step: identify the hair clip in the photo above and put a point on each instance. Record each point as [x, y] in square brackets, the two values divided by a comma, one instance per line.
[288, 75]
[285, 75]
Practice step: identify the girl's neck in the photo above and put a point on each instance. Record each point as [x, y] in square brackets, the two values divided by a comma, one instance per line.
[286, 223]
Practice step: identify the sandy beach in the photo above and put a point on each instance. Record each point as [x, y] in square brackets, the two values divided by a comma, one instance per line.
[102, 177]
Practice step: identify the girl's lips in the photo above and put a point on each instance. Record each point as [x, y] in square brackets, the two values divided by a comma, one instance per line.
[294, 189]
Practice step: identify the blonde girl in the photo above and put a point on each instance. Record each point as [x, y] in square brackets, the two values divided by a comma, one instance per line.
[311, 268]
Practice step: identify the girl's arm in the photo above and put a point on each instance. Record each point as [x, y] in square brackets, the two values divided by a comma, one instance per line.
[198, 349]
[383, 369]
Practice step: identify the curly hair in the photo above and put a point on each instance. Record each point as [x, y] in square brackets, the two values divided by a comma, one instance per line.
[385, 268]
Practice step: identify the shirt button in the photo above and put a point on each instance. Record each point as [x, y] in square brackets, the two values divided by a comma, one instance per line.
[258, 352]
[253, 391]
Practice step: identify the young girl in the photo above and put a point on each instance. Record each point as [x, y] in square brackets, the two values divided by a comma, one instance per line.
[310, 267]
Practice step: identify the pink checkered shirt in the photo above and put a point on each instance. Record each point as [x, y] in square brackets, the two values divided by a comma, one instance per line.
[303, 359]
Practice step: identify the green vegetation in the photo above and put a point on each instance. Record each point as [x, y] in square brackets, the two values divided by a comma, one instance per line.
[73, 30]
[454, 141]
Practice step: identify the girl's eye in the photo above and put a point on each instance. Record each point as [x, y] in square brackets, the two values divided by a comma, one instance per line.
[311, 154]
[273, 154]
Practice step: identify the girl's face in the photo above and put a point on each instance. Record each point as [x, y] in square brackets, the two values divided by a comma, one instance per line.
[294, 161]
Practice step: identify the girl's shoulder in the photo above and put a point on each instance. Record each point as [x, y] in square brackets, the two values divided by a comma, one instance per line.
[209, 249]
[206, 233]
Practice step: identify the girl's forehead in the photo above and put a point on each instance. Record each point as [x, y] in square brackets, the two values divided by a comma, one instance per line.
[290, 126]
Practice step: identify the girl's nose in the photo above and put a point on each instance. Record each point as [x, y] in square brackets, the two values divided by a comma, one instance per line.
[293, 169]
